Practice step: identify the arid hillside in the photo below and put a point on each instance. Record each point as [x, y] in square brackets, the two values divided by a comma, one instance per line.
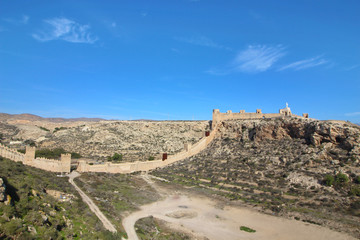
[298, 168]
[135, 140]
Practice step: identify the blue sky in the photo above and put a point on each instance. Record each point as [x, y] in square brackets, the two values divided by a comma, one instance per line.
[179, 59]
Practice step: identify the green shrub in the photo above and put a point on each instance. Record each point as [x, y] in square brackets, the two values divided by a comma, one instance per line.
[357, 180]
[115, 158]
[355, 191]
[75, 155]
[59, 128]
[45, 129]
[54, 153]
[247, 229]
[49, 153]
[151, 158]
[328, 180]
[341, 178]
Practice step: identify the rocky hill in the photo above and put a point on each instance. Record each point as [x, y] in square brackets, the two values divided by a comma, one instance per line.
[136, 140]
[298, 168]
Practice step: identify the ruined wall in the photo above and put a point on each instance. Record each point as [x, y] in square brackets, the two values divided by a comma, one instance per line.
[29, 159]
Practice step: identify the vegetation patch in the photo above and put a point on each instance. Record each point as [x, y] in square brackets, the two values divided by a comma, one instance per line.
[54, 153]
[45, 129]
[33, 214]
[59, 128]
[117, 157]
[247, 229]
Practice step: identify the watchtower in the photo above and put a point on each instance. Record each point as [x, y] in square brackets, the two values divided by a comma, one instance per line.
[29, 155]
[66, 162]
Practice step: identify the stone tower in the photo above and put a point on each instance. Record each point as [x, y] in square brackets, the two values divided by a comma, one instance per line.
[29, 155]
[215, 118]
[66, 162]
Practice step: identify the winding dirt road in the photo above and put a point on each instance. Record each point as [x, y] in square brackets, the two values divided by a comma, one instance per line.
[107, 224]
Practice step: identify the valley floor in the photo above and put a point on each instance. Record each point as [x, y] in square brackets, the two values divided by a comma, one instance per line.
[204, 218]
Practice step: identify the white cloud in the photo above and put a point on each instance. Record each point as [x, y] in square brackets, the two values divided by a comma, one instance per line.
[307, 63]
[258, 58]
[67, 30]
[202, 41]
[353, 114]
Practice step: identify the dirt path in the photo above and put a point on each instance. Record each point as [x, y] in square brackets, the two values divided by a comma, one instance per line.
[201, 217]
[107, 224]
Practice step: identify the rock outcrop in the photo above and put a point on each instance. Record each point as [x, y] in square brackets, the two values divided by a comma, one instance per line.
[3, 197]
[329, 135]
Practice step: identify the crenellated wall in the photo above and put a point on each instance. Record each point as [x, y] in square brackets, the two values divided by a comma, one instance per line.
[11, 154]
[189, 150]
[29, 159]
[218, 116]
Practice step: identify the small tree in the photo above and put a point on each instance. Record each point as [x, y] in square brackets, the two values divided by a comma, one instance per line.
[328, 180]
[116, 157]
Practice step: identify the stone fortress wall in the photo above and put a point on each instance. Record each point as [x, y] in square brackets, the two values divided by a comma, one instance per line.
[189, 150]
[285, 112]
[64, 165]
[29, 159]
[11, 154]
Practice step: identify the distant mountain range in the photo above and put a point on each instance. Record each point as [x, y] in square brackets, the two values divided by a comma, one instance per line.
[32, 117]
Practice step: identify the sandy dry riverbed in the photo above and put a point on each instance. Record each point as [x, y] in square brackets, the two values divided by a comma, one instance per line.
[203, 218]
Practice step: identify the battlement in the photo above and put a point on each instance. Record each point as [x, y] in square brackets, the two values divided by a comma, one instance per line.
[11, 154]
[29, 159]
[284, 112]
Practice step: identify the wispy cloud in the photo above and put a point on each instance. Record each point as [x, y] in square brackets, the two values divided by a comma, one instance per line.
[65, 29]
[258, 58]
[18, 21]
[253, 59]
[352, 67]
[352, 114]
[304, 64]
[202, 41]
